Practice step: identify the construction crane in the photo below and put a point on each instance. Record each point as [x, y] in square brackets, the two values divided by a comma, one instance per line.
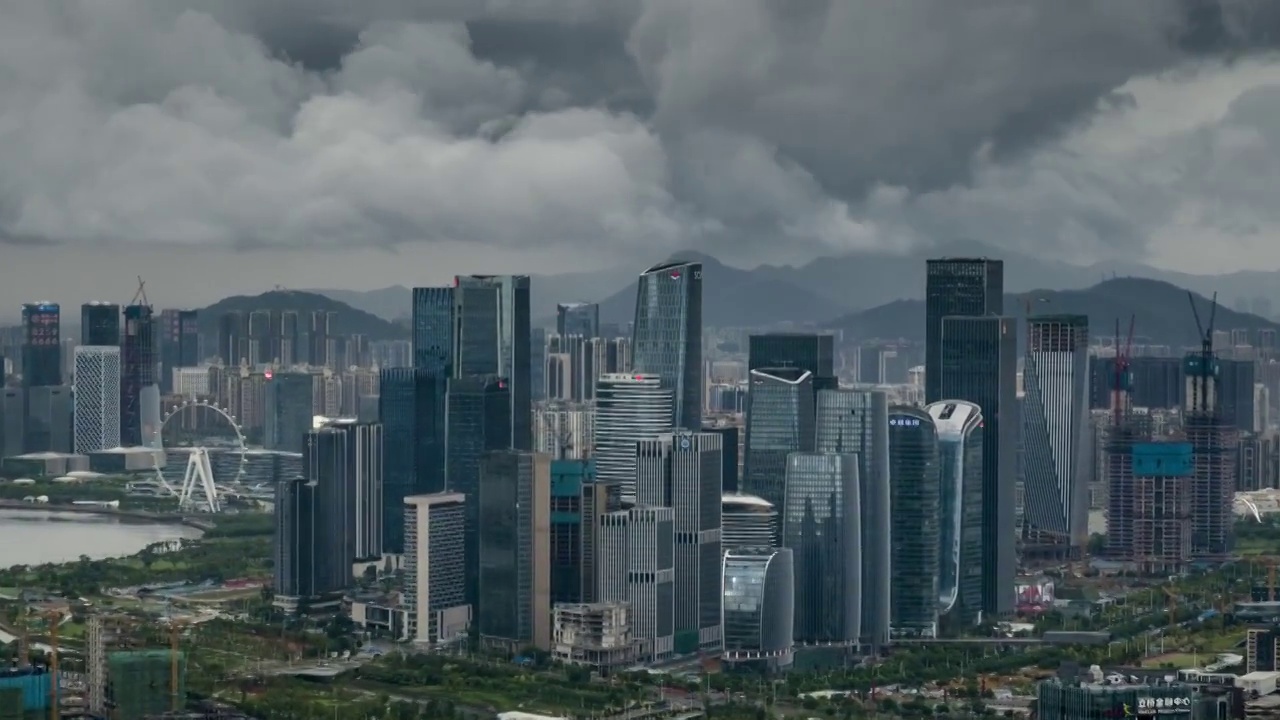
[54, 618]
[175, 632]
[1122, 380]
[1204, 400]
[141, 294]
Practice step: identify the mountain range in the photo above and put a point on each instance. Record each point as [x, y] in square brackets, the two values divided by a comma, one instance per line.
[347, 319]
[1161, 313]
[832, 287]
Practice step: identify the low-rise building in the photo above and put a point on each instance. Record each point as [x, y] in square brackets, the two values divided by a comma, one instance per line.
[594, 635]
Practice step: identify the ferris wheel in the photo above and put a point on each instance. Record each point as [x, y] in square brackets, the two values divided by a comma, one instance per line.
[198, 478]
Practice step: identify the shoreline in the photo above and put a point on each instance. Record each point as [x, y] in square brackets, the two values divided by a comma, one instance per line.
[138, 515]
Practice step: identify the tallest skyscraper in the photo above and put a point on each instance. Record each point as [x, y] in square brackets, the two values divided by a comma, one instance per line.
[972, 355]
[668, 335]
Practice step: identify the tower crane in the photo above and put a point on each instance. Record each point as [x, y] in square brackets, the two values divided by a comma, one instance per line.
[1121, 381]
[54, 618]
[1204, 399]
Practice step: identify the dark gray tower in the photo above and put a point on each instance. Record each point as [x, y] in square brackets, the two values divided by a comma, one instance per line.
[913, 465]
[969, 287]
[668, 335]
[492, 337]
[780, 421]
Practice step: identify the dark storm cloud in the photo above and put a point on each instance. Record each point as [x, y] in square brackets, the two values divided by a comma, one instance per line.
[1086, 129]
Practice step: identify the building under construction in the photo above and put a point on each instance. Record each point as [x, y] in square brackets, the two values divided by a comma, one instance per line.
[1214, 445]
[141, 683]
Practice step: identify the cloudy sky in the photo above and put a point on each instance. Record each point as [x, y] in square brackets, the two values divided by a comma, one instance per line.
[228, 146]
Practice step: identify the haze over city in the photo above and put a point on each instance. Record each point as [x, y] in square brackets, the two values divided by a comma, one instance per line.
[316, 144]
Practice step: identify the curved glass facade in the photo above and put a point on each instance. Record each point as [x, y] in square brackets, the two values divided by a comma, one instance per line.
[913, 467]
[959, 426]
[780, 420]
[759, 607]
[668, 335]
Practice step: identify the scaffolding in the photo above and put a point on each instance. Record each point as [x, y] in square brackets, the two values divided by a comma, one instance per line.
[141, 682]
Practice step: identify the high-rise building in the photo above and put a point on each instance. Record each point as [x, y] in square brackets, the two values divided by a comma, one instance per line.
[979, 359]
[682, 471]
[414, 455]
[48, 423]
[179, 341]
[637, 567]
[857, 422]
[13, 417]
[233, 342]
[565, 431]
[956, 287]
[285, 344]
[959, 428]
[821, 526]
[578, 502]
[478, 421]
[433, 330]
[578, 318]
[780, 421]
[668, 335]
[629, 408]
[916, 496]
[97, 398]
[514, 599]
[492, 337]
[361, 448]
[41, 345]
[1056, 435]
[434, 569]
[294, 542]
[288, 404]
[729, 435]
[801, 351]
[322, 340]
[1213, 441]
[328, 465]
[262, 338]
[137, 373]
[759, 608]
[100, 324]
[747, 521]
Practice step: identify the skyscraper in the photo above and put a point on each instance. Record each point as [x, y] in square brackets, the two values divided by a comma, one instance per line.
[682, 471]
[137, 373]
[328, 465]
[492, 337]
[41, 345]
[233, 342]
[956, 287]
[433, 330]
[857, 422]
[434, 568]
[959, 428]
[321, 340]
[979, 364]
[668, 335]
[780, 421]
[802, 351]
[294, 545]
[1213, 441]
[179, 338]
[1056, 434]
[578, 502]
[100, 324]
[514, 598]
[261, 338]
[637, 567]
[97, 398]
[578, 318]
[288, 403]
[821, 526]
[361, 447]
[747, 521]
[478, 410]
[414, 455]
[916, 497]
[629, 408]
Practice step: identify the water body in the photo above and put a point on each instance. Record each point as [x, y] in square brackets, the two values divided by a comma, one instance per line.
[34, 537]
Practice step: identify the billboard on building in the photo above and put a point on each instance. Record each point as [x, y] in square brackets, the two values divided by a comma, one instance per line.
[1162, 459]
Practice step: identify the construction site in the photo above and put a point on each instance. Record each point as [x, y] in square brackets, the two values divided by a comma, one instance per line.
[1170, 478]
[121, 679]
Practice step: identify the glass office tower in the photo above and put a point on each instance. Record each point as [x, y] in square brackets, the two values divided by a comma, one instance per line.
[759, 608]
[979, 364]
[913, 465]
[414, 455]
[821, 526]
[492, 336]
[959, 426]
[100, 324]
[956, 287]
[780, 421]
[857, 422]
[667, 338]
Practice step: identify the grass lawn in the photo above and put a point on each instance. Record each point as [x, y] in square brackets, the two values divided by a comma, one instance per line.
[1176, 660]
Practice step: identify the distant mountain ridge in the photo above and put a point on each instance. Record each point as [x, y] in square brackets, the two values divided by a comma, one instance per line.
[831, 286]
[1161, 312]
[347, 321]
